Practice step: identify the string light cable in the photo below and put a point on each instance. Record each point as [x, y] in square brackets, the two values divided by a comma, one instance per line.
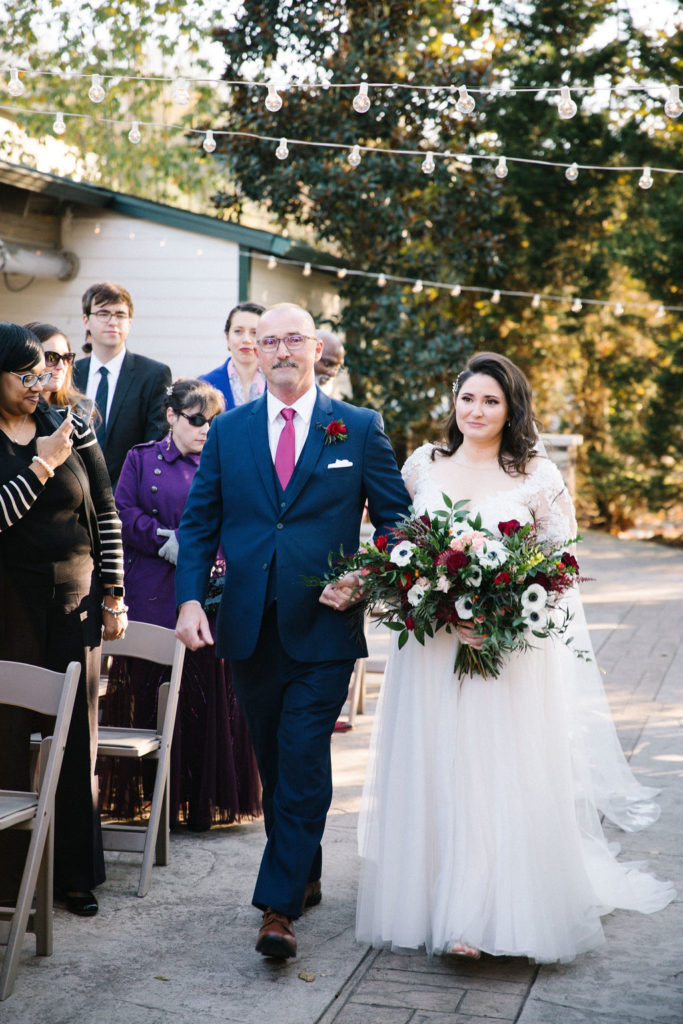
[356, 151]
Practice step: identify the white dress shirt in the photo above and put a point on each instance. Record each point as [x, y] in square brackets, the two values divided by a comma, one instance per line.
[303, 411]
[114, 367]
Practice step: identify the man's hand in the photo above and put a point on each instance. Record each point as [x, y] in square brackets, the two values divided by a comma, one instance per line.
[344, 592]
[192, 626]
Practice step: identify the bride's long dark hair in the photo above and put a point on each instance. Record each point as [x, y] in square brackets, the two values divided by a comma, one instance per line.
[520, 436]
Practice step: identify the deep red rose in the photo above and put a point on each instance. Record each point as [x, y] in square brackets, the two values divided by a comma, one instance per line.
[410, 622]
[502, 579]
[425, 520]
[569, 561]
[405, 582]
[509, 527]
[381, 543]
[445, 612]
[456, 560]
[334, 427]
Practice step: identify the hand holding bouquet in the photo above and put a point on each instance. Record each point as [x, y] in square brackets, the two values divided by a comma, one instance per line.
[447, 569]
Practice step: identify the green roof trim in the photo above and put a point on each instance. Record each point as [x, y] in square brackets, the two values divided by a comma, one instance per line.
[86, 194]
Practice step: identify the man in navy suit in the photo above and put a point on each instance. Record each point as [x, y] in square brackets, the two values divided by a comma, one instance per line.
[280, 490]
[127, 388]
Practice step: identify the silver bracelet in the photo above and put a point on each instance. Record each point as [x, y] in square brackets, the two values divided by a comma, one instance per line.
[114, 611]
[41, 462]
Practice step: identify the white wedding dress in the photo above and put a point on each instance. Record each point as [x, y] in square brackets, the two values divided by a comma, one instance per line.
[480, 814]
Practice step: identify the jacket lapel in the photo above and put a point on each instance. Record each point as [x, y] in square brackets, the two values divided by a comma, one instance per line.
[123, 384]
[312, 449]
[257, 426]
[81, 373]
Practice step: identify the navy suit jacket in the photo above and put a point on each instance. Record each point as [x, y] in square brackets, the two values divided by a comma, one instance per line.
[137, 409]
[237, 500]
[219, 379]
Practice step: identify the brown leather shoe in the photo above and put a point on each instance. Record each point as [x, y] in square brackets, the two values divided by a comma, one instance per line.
[312, 895]
[276, 935]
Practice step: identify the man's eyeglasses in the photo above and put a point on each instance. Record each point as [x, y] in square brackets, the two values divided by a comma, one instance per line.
[29, 379]
[293, 342]
[104, 316]
[197, 420]
[53, 358]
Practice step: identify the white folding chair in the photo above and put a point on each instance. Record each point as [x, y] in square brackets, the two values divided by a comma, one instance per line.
[157, 644]
[47, 693]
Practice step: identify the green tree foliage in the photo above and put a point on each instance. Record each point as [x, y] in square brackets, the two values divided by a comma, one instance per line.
[118, 38]
[533, 232]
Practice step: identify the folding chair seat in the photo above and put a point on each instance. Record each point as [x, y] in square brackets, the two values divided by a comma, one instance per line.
[156, 644]
[53, 694]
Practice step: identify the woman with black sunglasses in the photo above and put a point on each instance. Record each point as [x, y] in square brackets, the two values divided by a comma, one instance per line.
[60, 583]
[213, 774]
[59, 360]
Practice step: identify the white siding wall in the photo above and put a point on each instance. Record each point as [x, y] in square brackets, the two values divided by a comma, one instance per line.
[182, 285]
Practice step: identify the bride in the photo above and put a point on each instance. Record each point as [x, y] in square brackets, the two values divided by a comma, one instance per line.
[479, 826]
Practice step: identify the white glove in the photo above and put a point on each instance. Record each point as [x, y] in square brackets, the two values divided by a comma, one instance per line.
[168, 550]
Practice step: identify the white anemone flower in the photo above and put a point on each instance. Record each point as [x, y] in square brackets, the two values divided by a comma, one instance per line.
[416, 593]
[494, 554]
[534, 596]
[536, 618]
[463, 607]
[474, 580]
[402, 553]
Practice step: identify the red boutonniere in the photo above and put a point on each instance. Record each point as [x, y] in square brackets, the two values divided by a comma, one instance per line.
[334, 431]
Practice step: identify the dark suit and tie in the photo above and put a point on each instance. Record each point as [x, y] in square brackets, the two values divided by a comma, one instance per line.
[291, 655]
[136, 411]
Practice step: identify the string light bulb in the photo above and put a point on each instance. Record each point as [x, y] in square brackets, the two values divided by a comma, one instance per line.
[282, 152]
[272, 263]
[306, 272]
[673, 106]
[273, 99]
[96, 91]
[209, 143]
[181, 93]
[354, 156]
[566, 107]
[572, 172]
[417, 287]
[59, 127]
[361, 101]
[15, 87]
[501, 168]
[645, 180]
[536, 301]
[577, 306]
[660, 312]
[381, 281]
[618, 309]
[134, 135]
[428, 164]
[455, 291]
[495, 298]
[341, 273]
[465, 103]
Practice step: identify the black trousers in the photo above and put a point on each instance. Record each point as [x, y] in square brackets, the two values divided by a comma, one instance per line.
[291, 708]
[48, 624]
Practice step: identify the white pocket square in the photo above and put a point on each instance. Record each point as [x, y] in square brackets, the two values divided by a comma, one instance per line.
[340, 464]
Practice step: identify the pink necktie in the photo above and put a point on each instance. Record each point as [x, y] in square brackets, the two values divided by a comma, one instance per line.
[284, 454]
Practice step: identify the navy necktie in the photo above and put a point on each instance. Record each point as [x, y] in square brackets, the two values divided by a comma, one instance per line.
[101, 399]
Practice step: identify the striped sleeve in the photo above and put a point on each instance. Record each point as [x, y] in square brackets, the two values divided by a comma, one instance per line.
[110, 568]
[17, 496]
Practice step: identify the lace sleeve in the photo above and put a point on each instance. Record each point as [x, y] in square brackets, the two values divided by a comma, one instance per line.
[415, 467]
[551, 504]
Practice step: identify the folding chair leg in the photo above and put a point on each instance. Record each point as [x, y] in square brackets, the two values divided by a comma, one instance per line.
[44, 899]
[10, 964]
[156, 840]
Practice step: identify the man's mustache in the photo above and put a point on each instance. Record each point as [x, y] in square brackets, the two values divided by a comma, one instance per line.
[285, 362]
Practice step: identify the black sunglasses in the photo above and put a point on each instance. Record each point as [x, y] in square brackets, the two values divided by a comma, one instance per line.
[52, 358]
[197, 420]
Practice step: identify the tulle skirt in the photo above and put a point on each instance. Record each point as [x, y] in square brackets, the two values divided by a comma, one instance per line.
[480, 814]
[214, 778]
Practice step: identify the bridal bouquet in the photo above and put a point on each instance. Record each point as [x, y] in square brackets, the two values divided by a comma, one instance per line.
[447, 569]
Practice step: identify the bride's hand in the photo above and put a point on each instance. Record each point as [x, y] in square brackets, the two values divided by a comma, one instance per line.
[466, 635]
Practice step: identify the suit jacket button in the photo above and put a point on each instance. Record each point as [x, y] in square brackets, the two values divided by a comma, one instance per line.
[280, 526]
[265, 565]
[155, 511]
[154, 489]
[283, 504]
[157, 472]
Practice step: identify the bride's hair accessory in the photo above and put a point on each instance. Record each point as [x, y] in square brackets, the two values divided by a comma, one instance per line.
[456, 382]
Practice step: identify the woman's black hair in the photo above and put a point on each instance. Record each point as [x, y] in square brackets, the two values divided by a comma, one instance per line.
[520, 436]
[243, 307]
[19, 347]
[188, 393]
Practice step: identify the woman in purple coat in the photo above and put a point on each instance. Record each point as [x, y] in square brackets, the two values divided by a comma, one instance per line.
[213, 772]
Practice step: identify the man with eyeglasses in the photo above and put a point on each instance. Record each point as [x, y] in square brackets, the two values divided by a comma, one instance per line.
[331, 361]
[282, 482]
[127, 388]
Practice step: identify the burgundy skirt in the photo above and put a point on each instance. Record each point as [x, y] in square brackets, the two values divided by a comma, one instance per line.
[214, 778]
